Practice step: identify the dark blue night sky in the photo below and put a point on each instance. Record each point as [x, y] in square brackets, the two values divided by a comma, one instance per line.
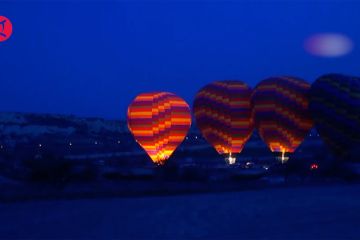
[93, 58]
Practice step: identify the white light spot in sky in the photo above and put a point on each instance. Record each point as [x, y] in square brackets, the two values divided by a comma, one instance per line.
[328, 45]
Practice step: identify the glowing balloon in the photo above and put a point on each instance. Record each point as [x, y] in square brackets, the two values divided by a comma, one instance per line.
[281, 113]
[335, 107]
[222, 112]
[159, 122]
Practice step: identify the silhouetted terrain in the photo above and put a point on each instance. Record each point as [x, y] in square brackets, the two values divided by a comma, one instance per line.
[329, 212]
[53, 156]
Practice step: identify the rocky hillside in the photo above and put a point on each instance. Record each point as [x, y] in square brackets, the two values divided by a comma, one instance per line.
[23, 127]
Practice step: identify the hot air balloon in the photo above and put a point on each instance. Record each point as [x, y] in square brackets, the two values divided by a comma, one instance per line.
[335, 107]
[281, 113]
[159, 122]
[222, 112]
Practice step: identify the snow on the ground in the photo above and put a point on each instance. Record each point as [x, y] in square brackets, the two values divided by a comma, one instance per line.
[331, 212]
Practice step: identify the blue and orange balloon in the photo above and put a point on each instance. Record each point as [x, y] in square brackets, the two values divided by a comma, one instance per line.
[335, 107]
[159, 122]
[222, 112]
[281, 113]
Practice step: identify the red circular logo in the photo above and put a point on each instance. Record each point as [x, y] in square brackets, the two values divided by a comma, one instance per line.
[5, 28]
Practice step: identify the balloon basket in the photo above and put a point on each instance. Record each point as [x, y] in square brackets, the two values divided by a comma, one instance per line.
[283, 158]
[230, 159]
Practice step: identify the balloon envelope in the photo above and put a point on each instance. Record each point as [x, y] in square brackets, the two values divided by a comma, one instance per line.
[159, 122]
[335, 107]
[222, 112]
[281, 113]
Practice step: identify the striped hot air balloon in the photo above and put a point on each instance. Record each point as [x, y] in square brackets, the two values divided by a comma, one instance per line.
[222, 112]
[159, 122]
[281, 113]
[335, 107]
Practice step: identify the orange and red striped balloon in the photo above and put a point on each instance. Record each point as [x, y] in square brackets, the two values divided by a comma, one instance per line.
[222, 112]
[281, 112]
[159, 122]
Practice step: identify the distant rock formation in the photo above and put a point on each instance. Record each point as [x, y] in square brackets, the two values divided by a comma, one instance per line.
[25, 127]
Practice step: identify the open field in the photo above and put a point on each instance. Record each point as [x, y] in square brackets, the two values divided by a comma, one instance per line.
[319, 212]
